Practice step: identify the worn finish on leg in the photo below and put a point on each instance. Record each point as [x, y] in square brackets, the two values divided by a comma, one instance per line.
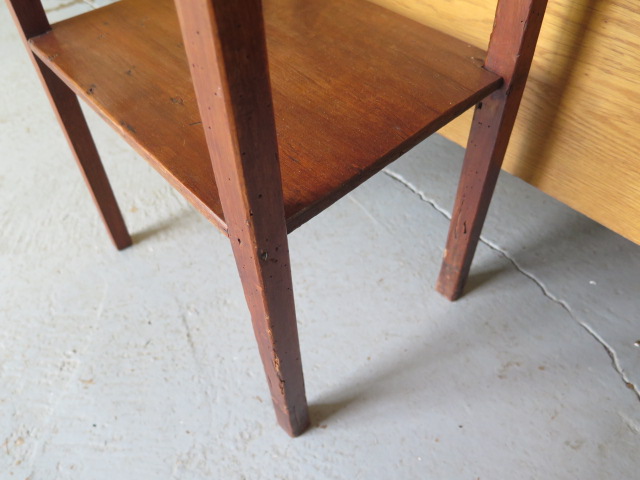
[511, 50]
[31, 20]
[225, 44]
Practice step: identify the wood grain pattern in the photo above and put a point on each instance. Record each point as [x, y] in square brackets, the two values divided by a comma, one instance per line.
[227, 53]
[513, 42]
[261, 143]
[354, 86]
[31, 20]
[577, 136]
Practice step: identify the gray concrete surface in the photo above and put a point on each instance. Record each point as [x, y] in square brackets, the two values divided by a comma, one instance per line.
[142, 364]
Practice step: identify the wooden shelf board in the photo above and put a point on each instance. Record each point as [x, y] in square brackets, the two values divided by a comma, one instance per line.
[354, 87]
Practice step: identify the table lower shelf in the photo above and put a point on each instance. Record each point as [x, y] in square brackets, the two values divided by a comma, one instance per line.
[354, 87]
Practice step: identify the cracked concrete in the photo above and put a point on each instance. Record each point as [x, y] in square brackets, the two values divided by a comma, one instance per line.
[615, 362]
[166, 382]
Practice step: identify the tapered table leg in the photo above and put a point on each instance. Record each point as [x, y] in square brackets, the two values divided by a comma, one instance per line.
[510, 53]
[31, 20]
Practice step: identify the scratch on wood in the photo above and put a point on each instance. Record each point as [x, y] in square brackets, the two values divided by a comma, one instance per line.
[128, 126]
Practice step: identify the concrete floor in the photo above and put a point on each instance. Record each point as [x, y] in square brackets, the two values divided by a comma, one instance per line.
[142, 364]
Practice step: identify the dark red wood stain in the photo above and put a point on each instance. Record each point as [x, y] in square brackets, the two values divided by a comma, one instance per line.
[31, 20]
[510, 53]
[354, 86]
[264, 115]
